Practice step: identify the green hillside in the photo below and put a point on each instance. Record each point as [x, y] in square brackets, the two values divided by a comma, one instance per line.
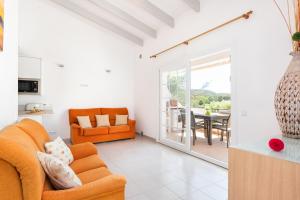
[209, 99]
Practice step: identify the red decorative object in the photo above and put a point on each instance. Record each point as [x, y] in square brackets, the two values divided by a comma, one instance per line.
[276, 144]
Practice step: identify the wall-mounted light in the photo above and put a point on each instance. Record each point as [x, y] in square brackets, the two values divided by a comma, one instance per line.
[60, 65]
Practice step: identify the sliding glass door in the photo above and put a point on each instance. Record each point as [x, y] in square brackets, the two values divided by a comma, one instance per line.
[211, 107]
[195, 102]
[173, 107]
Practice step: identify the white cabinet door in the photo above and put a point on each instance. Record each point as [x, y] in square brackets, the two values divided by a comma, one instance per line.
[29, 68]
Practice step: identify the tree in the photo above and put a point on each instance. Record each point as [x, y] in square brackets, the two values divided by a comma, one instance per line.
[176, 86]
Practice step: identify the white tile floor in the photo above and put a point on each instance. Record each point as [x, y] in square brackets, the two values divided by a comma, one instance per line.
[157, 172]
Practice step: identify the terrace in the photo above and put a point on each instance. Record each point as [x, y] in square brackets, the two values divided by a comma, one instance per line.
[210, 106]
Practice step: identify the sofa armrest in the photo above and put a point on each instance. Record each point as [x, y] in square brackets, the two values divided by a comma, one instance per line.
[131, 124]
[94, 190]
[76, 128]
[83, 150]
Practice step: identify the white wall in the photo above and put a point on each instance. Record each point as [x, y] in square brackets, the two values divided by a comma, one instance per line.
[58, 36]
[9, 65]
[259, 48]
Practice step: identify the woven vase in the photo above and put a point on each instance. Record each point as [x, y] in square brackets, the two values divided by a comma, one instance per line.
[287, 99]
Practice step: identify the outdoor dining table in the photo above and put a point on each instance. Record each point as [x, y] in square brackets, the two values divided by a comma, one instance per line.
[208, 119]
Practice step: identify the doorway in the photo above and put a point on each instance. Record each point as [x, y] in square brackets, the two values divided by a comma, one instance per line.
[173, 99]
[195, 107]
[211, 106]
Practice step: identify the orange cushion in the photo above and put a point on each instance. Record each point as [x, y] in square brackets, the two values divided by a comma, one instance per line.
[87, 163]
[93, 175]
[95, 131]
[119, 129]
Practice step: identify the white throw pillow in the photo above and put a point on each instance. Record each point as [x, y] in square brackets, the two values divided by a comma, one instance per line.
[60, 150]
[102, 120]
[84, 121]
[121, 120]
[61, 175]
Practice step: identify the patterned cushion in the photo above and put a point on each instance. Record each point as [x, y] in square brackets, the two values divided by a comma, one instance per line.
[60, 150]
[84, 121]
[60, 174]
[102, 120]
[121, 120]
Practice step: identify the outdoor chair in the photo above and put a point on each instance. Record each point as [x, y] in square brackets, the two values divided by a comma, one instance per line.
[194, 124]
[224, 126]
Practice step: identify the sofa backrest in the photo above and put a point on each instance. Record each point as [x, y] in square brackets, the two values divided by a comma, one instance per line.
[92, 112]
[36, 131]
[22, 168]
[112, 112]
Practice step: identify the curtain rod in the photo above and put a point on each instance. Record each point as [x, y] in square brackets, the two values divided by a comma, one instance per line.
[186, 42]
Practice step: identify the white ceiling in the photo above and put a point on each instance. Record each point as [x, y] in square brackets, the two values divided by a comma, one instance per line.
[134, 20]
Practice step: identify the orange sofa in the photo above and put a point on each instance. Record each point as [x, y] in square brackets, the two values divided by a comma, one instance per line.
[100, 134]
[23, 178]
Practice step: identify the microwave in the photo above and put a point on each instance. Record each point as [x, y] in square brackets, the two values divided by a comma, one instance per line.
[29, 86]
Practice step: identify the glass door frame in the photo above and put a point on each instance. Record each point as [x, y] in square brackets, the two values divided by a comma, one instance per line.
[186, 147]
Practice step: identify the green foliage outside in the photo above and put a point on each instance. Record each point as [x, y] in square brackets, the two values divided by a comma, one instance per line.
[216, 106]
[200, 98]
[176, 86]
[210, 100]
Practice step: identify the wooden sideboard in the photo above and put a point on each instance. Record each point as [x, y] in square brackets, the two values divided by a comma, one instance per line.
[261, 174]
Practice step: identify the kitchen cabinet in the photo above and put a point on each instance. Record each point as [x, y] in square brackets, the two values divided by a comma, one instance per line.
[29, 68]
